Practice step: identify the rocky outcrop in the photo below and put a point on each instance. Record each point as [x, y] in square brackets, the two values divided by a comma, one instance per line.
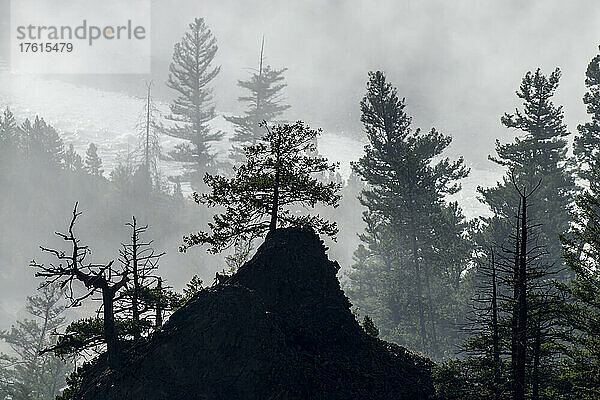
[280, 328]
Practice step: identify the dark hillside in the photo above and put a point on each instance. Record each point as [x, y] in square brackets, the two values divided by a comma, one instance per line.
[280, 328]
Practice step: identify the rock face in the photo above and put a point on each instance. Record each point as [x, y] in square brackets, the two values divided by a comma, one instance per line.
[280, 328]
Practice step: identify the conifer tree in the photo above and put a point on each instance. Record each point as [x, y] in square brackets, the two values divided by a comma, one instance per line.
[122, 174]
[9, 132]
[587, 144]
[279, 173]
[580, 312]
[72, 160]
[192, 287]
[190, 74]
[511, 352]
[32, 374]
[41, 141]
[538, 153]
[264, 104]
[405, 207]
[93, 163]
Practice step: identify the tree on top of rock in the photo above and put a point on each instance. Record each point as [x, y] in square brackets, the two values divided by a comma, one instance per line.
[281, 171]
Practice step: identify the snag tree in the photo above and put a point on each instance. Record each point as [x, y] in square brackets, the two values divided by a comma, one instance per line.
[73, 267]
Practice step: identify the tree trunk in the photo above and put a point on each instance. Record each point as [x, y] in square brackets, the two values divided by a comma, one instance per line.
[136, 284]
[434, 343]
[110, 330]
[159, 310]
[536, 363]
[495, 333]
[274, 209]
[522, 319]
[415, 256]
[275, 206]
[515, 306]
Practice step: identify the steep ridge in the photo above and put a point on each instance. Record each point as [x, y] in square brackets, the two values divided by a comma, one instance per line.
[280, 328]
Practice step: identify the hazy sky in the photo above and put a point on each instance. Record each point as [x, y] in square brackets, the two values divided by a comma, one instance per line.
[458, 63]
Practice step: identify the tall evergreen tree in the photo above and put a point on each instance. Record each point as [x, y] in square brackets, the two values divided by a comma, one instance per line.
[190, 73]
[93, 163]
[538, 153]
[581, 310]
[587, 145]
[34, 374]
[406, 210]
[264, 104]
[279, 173]
[580, 314]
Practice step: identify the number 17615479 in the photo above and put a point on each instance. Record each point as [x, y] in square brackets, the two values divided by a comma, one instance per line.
[45, 47]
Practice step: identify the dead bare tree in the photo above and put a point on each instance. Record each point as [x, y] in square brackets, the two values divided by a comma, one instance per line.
[519, 361]
[72, 267]
[139, 299]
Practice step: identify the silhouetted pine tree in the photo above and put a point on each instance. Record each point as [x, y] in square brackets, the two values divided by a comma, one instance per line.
[587, 144]
[407, 218]
[512, 349]
[279, 173]
[580, 312]
[144, 297]
[72, 266]
[538, 153]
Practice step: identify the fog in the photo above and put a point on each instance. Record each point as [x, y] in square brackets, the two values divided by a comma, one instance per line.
[457, 63]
